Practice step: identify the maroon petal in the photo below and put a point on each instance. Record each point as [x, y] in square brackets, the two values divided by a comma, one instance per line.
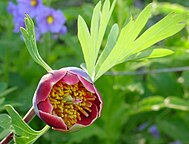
[78, 71]
[70, 79]
[45, 106]
[89, 86]
[46, 83]
[98, 102]
[52, 120]
[91, 118]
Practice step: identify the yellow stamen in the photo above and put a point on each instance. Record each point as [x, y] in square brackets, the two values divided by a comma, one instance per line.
[71, 101]
[50, 19]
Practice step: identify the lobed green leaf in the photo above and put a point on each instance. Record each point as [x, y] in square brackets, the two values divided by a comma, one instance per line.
[166, 27]
[85, 40]
[129, 44]
[150, 53]
[126, 37]
[91, 41]
[23, 132]
[112, 39]
[30, 40]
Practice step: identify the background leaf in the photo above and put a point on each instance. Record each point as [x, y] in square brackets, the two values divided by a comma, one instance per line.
[173, 127]
[5, 121]
[156, 103]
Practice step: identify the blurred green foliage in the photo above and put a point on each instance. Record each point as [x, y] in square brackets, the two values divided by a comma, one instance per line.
[144, 97]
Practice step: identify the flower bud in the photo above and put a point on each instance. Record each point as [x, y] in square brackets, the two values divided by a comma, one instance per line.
[67, 99]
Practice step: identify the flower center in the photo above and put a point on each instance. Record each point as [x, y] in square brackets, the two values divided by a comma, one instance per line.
[50, 19]
[33, 3]
[71, 101]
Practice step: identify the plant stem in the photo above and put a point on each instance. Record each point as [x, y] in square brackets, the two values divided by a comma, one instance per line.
[27, 118]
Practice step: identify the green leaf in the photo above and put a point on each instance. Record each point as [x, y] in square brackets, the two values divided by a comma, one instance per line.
[5, 121]
[166, 27]
[160, 52]
[156, 103]
[95, 23]
[103, 24]
[91, 41]
[167, 7]
[153, 103]
[4, 133]
[127, 36]
[23, 132]
[176, 103]
[85, 41]
[150, 53]
[3, 86]
[129, 43]
[105, 17]
[185, 75]
[7, 91]
[140, 22]
[86, 133]
[112, 38]
[174, 127]
[30, 40]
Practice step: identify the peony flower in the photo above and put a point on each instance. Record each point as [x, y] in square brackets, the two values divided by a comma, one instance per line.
[67, 100]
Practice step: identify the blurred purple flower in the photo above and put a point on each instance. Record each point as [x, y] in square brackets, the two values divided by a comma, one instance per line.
[176, 142]
[48, 19]
[12, 8]
[142, 126]
[51, 20]
[18, 18]
[38, 33]
[31, 7]
[154, 131]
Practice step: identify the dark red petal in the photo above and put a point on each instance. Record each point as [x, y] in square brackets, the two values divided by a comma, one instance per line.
[53, 121]
[70, 78]
[89, 86]
[79, 72]
[46, 83]
[98, 102]
[91, 118]
[45, 106]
